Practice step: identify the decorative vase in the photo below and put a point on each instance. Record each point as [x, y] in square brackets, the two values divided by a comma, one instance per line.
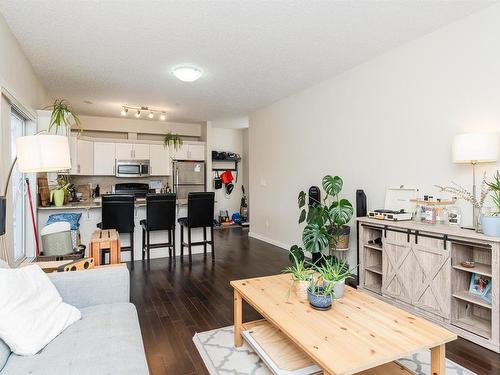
[300, 288]
[319, 302]
[490, 225]
[57, 196]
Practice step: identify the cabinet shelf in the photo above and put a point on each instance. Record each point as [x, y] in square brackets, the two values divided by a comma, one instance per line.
[475, 324]
[466, 296]
[376, 269]
[479, 268]
[373, 247]
[377, 288]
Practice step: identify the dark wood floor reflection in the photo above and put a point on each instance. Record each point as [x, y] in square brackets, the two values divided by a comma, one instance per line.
[175, 299]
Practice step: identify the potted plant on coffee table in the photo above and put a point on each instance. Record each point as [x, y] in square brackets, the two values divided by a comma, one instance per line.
[336, 272]
[301, 275]
[320, 295]
[490, 224]
[324, 219]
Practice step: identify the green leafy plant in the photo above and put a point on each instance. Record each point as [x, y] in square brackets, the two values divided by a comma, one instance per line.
[62, 117]
[172, 141]
[334, 270]
[322, 290]
[298, 269]
[324, 219]
[495, 188]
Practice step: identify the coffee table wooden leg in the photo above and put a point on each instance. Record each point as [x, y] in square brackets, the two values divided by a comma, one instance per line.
[238, 319]
[438, 361]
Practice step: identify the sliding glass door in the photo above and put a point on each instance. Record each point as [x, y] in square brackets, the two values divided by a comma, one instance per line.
[18, 129]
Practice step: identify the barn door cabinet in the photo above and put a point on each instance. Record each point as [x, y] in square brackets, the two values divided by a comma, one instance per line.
[418, 267]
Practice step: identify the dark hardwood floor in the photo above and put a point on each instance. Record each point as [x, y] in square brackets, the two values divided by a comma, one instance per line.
[176, 299]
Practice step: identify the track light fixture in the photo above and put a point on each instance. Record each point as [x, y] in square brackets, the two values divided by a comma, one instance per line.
[138, 110]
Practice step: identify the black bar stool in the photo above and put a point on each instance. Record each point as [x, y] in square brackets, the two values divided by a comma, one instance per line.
[200, 215]
[160, 215]
[118, 213]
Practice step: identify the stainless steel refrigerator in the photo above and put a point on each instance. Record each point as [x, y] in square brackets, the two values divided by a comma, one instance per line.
[188, 176]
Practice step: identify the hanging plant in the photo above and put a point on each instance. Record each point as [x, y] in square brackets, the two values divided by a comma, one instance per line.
[62, 117]
[172, 141]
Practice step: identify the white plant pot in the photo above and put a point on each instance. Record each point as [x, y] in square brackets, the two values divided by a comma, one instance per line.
[339, 289]
[490, 225]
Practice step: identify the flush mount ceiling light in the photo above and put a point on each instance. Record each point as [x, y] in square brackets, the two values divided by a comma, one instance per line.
[187, 73]
[137, 110]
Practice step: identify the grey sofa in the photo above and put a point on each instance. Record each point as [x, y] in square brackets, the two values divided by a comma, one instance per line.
[107, 340]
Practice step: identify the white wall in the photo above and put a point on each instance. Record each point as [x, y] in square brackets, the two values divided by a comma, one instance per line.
[229, 140]
[387, 122]
[18, 78]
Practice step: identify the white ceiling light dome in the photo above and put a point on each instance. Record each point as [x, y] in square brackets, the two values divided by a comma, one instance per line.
[187, 73]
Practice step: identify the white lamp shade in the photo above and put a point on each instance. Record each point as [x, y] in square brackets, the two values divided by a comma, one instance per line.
[475, 147]
[43, 153]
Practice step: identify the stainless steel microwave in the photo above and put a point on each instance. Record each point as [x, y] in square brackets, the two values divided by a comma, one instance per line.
[132, 168]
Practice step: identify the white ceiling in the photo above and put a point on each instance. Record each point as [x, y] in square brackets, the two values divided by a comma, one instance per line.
[253, 53]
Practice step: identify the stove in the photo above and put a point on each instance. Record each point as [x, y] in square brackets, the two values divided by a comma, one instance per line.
[136, 189]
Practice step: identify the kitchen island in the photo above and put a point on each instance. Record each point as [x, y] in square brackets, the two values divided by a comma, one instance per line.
[91, 216]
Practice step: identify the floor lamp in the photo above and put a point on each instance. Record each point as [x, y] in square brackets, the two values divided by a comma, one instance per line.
[35, 153]
[474, 148]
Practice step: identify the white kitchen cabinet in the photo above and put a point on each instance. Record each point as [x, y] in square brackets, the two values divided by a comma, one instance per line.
[104, 159]
[196, 152]
[141, 151]
[159, 159]
[124, 151]
[181, 153]
[190, 152]
[132, 151]
[84, 160]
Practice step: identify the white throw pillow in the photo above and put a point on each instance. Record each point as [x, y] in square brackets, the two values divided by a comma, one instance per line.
[32, 312]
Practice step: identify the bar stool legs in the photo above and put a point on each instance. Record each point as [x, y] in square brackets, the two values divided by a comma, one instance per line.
[212, 243]
[189, 244]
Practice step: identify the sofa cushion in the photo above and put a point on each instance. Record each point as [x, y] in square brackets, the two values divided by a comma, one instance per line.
[4, 348]
[107, 340]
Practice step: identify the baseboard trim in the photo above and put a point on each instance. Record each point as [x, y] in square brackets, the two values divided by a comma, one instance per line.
[269, 240]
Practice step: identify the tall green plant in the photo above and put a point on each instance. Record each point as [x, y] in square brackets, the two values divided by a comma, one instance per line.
[324, 219]
[495, 188]
[62, 117]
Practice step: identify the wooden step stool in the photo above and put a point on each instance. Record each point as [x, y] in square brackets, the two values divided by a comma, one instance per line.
[108, 240]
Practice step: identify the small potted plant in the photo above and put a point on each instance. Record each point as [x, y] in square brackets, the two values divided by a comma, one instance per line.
[336, 272]
[301, 275]
[491, 223]
[321, 295]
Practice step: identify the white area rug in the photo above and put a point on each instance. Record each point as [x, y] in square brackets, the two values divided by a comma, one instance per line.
[221, 357]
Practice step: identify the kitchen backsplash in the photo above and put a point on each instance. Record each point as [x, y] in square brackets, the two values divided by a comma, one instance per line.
[106, 182]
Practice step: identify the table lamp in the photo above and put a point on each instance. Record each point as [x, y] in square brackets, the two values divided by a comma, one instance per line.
[37, 153]
[474, 148]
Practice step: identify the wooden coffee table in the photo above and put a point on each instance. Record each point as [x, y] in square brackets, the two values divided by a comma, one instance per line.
[359, 333]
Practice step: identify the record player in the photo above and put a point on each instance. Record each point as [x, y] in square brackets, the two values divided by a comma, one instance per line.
[398, 205]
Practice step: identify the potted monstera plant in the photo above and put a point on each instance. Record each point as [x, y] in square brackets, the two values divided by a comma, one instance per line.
[325, 219]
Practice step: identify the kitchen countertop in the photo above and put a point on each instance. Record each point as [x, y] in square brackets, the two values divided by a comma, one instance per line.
[87, 205]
